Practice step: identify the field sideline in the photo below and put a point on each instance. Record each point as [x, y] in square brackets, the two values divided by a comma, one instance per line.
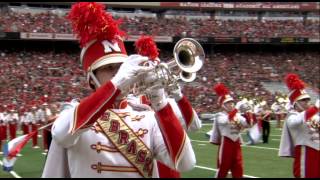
[260, 160]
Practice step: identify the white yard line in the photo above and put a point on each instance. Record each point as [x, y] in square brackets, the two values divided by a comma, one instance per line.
[211, 169]
[275, 135]
[275, 139]
[251, 146]
[14, 174]
[269, 135]
[199, 141]
[259, 147]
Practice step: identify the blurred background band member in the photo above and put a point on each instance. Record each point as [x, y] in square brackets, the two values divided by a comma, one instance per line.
[3, 127]
[13, 122]
[226, 134]
[300, 135]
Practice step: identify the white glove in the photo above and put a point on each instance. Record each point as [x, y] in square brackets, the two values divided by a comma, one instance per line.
[158, 99]
[176, 93]
[317, 104]
[128, 71]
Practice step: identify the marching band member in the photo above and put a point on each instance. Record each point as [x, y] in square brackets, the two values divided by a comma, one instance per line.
[3, 127]
[301, 130]
[181, 106]
[279, 110]
[101, 136]
[42, 118]
[226, 134]
[276, 109]
[34, 125]
[265, 121]
[25, 121]
[13, 123]
[245, 108]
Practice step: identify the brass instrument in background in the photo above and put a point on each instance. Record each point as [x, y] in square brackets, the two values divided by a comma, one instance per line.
[188, 56]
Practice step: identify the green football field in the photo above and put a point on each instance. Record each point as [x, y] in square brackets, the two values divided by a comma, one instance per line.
[260, 160]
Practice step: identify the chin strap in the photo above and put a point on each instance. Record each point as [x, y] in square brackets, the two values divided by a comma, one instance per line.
[299, 106]
[95, 80]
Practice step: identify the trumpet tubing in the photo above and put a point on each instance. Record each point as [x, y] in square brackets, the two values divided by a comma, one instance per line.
[188, 56]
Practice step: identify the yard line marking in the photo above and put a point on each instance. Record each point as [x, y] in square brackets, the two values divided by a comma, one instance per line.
[199, 141]
[201, 144]
[269, 135]
[251, 146]
[206, 124]
[211, 169]
[259, 147]
[275, 139]
[275, 135]
[14, 174]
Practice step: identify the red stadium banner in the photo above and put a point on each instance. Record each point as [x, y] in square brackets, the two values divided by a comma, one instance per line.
[133, 38]
[64, 36]
[48, 36]
[244, 5]
[24, 35]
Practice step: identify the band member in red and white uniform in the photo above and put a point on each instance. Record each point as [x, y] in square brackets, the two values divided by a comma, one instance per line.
[102, 135]
[246, 109]
[3, 127]
[34, 124]
[42, 119]
[278, 109]
[300, 135]
[25, 121]
[187, 116]
[12, 119]
[226, 133]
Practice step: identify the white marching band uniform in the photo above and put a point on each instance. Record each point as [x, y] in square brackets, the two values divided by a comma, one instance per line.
[86, 160]
[93, 137]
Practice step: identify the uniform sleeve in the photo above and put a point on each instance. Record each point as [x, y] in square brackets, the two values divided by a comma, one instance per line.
[215, 136]
[93, 106]
[56, 165]
[61, 129]
[222, 120]
[176, 141]
[243, 121]
[295, 120]
[161, 153]
[189, 115]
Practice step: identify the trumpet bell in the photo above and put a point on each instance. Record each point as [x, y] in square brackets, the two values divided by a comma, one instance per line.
[189, 55]
[187, 77]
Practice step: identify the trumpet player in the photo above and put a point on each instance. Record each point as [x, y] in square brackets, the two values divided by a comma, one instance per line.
[226, 134]
[278, 109]
[246, 110]
[300, 135]
[187, 116]
[102, 135]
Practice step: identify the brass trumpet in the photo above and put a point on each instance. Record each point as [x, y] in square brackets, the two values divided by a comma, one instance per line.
[188, 56]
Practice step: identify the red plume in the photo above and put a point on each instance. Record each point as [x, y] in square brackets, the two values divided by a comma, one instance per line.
[220, 89]
[90, 21]
[146, 46]
[293, 82]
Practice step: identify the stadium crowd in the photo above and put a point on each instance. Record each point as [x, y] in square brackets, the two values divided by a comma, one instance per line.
[26, 76]
[29, 75]
[48, 22]
[244, 72]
